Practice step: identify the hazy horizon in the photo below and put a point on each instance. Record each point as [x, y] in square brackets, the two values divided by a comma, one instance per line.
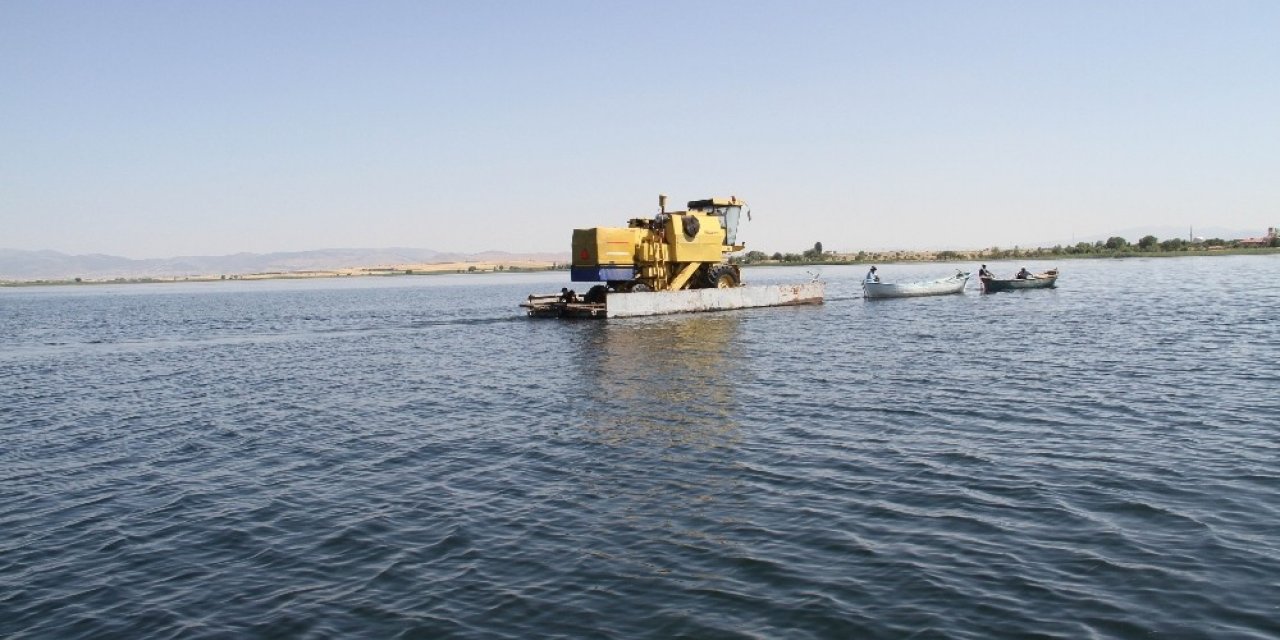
[146, 130]
[1132, 235]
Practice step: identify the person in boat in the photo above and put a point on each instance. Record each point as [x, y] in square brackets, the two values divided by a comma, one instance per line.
[1023, 274]
[568, 295]
[871, 275]
[984, 273]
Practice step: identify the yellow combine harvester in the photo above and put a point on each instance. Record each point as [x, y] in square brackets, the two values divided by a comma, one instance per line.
[674, 250]
[674, 262]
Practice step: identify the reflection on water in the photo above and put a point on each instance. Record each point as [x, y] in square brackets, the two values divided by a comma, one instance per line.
[668, 380]
[658, 414]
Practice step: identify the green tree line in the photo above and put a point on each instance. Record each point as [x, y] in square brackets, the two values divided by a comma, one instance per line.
[1113, 246]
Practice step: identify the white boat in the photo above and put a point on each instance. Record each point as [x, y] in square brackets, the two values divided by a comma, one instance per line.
[939, 287]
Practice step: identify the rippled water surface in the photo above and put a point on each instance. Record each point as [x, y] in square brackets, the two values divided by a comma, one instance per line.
[409, 457]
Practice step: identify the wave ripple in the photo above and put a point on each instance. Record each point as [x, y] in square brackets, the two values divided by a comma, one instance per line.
[418, 461]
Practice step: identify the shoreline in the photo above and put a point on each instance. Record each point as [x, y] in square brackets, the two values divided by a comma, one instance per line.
[419, 269]
[895, 257]
[530, 266]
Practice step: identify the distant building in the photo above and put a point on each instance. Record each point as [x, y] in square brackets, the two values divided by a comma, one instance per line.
[1264, 241]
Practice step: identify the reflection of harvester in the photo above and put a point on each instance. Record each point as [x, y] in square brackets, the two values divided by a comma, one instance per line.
[672, 251]
[674, 262]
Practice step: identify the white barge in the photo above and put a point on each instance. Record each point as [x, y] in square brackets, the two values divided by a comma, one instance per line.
[655, 303]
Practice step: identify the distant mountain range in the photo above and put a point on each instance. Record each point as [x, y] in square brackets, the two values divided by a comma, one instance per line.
[21, 265]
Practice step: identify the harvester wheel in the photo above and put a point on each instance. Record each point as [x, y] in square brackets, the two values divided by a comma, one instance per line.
[722, 276]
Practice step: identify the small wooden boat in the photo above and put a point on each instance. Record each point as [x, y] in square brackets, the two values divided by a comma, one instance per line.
[1044, 280]
[939, 287]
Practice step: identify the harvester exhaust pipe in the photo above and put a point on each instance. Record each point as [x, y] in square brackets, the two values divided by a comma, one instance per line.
[662, 203]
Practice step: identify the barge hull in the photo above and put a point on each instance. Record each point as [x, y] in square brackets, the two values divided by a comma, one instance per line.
[656, 303]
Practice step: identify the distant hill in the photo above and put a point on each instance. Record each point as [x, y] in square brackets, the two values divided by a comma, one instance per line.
[17, 264]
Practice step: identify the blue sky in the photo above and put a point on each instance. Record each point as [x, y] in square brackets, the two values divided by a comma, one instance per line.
[151, 129]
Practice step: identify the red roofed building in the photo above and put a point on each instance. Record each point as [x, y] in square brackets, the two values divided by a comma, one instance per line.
[1264, 241]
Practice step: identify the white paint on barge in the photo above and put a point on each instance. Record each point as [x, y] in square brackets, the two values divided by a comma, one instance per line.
[654, 303]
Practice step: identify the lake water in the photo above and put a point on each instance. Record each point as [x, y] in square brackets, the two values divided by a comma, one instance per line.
[410, 457]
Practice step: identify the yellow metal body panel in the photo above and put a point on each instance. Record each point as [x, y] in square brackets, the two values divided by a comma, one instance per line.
[605, 246]
[707, 246]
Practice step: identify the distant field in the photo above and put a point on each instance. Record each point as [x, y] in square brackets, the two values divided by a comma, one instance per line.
[416, 269]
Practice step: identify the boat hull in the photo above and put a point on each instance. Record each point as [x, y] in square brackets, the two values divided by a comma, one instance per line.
[991, 285]
[655, 303]
[941, 287]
